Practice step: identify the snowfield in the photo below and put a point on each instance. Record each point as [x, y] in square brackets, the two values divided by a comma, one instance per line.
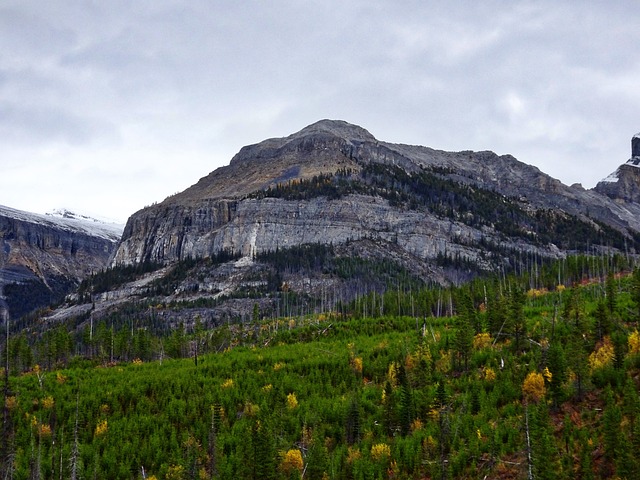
[67, 220]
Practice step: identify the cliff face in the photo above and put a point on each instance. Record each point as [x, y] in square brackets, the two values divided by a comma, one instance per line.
[229, 209]
[42, 257]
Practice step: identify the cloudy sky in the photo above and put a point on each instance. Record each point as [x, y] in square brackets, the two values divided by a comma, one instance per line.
[110, 105]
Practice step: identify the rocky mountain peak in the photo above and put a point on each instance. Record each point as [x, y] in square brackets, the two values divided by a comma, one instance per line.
[335, 128]
[635, 146]
[624, 183]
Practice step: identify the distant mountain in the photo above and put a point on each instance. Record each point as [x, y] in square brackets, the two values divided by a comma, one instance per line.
[44, 257]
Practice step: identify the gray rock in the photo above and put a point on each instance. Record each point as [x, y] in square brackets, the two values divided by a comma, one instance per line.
[216, 214]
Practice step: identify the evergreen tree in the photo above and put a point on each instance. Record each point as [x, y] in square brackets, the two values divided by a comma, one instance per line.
[611, 429]
[544, 452]
[464, 335]
[496, 313]
[603, 320]
[577, 361]
[405, 406]
[316, 461]
[517, 320]
[264, 453]
[611, 293]
[585, 469]
[635, 293]
[352, 423]
[388, 414]
[557, 364]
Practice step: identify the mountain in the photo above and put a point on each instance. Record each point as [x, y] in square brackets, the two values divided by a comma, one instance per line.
[246, 207]
[330, 213]
[44, 257]
[623, 185]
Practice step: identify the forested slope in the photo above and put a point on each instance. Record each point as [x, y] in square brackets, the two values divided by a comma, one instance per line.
[522, 378]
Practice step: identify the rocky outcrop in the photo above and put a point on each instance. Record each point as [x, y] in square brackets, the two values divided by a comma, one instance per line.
[623, 185]
[221, 211]
[42, 257]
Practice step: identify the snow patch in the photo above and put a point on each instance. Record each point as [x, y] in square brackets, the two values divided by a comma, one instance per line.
[612, 178]
[70, 222]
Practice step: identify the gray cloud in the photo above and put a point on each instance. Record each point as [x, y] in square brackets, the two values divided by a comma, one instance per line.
[151, 95]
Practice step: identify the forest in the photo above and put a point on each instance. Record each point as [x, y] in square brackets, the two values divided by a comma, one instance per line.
[508, 377]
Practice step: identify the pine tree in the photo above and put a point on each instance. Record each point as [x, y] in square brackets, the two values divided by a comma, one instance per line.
[611, 430]
[352, 423]
[544, 452]
[463, 341]
[611, 293]
[577, 361]
[517, 321]
[557, 364]
[316, 460]
[388, 414]
[405, 406]
[264, 453]
[603, 320]
[635, 293]
[496, 314]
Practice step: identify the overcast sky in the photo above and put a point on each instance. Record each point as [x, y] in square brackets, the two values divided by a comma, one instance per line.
[107, 106]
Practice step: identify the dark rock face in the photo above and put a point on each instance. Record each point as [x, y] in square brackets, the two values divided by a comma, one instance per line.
[635, 146]
[42, 259]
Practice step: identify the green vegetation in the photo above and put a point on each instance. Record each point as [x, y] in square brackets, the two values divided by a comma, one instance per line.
[497, 378]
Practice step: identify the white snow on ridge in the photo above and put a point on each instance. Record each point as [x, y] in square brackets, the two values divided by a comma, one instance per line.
[612, 178]
[69, 221]
[615, 176]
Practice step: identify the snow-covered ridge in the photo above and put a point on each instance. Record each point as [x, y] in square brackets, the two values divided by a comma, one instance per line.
[67, 220]
[632, 162]
[613, 177]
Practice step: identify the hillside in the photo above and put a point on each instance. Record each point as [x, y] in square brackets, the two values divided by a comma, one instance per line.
[540, 381]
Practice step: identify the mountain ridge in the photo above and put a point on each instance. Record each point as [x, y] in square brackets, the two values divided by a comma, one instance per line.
[204, 218]
[329, 214]
[44, 257]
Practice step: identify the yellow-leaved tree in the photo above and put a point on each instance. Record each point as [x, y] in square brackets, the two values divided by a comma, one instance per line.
[292, 460]
[634, 343]
[603, 355]
[533, 388]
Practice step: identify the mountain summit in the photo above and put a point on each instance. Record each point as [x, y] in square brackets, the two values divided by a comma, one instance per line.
[428, 201]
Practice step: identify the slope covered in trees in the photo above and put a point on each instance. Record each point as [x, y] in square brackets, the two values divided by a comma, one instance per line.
[504, 378]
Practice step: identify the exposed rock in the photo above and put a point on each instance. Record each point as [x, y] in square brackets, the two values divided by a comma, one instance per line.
[216, 213]
[635, 146]
[624, 184]
[43, 257]
[271, 197]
